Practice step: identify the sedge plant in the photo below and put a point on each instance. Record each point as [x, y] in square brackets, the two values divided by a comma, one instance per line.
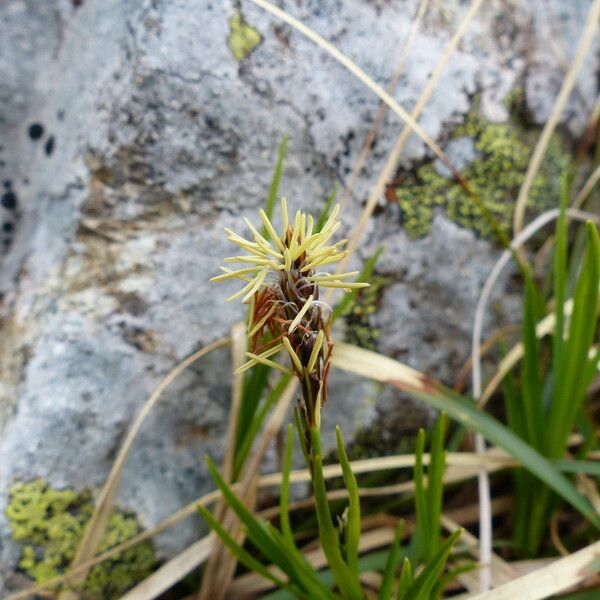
[282, 276]
[545, 400]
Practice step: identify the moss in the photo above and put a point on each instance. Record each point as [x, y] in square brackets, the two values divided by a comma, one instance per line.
[504, 151]
[242, 38]
[359, 330]
[50, 524]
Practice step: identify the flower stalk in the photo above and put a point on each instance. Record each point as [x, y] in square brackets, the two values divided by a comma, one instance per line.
[283, 276]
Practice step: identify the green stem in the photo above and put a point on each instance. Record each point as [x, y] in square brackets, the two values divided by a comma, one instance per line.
[347, 581]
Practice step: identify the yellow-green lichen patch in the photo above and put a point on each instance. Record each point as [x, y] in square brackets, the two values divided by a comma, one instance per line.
[359, 330]
[242, 38]
[50, 524]
[504, 151]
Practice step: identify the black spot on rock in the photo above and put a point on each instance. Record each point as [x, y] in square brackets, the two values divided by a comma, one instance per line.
[60, 115]
[9, 200]
[49, 147]
[7, 227]
[77, 3]
[36, 131]
[7, 183]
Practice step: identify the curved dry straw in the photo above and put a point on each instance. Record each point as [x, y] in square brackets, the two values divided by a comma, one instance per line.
[585, 42]
[393, 159]
[360, 74]
[378, 120]
[97, 524]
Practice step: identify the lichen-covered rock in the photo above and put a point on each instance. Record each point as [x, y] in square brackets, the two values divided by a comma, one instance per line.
[493, 158]
[133, 132]
[50, 523]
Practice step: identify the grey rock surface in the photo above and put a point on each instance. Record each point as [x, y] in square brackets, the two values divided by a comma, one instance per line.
[130, 136]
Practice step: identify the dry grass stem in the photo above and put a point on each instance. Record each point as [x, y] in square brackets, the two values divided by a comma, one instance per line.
[359, 73]
[172, 571]
[393, 158]
[558, 576]
[97, 524]
[221, 561]
[378, 120]
[585, 41]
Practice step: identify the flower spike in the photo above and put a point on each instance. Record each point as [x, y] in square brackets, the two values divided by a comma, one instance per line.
[282, 274]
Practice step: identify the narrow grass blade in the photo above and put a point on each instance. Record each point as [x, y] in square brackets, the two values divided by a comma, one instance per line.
[326, 210]
[258, 532]
[383, 368]
[568, 386]
[422, 518]
[406, 580]
[301, 438]
[516, 423]
[275, 181]
[385, 590]
[579, 466]
[242, 555]
[327, 532]
[284, 495]
[423, 584]
[435, 485]
[353, 527]
[512, 405]
[254, 385]
[258, 418]
[560, 273]
[531, 384]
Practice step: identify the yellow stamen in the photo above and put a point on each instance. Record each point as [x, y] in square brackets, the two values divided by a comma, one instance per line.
[332, 217]
[321, 238]
[259, 280]
[293, 355]
[249, 259]
[287, 258]
[252, 309]
[309, 226]
[259, 325]
[284, 214]
[232, 236]
[318, 406]
[265, 354]
[326, 277]
[270, 363]
[250, 288]
[300, 314]
[269, 227]
[314, 355]
[345, 285]
[325, 260]
[229, 274]
[260, 240]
